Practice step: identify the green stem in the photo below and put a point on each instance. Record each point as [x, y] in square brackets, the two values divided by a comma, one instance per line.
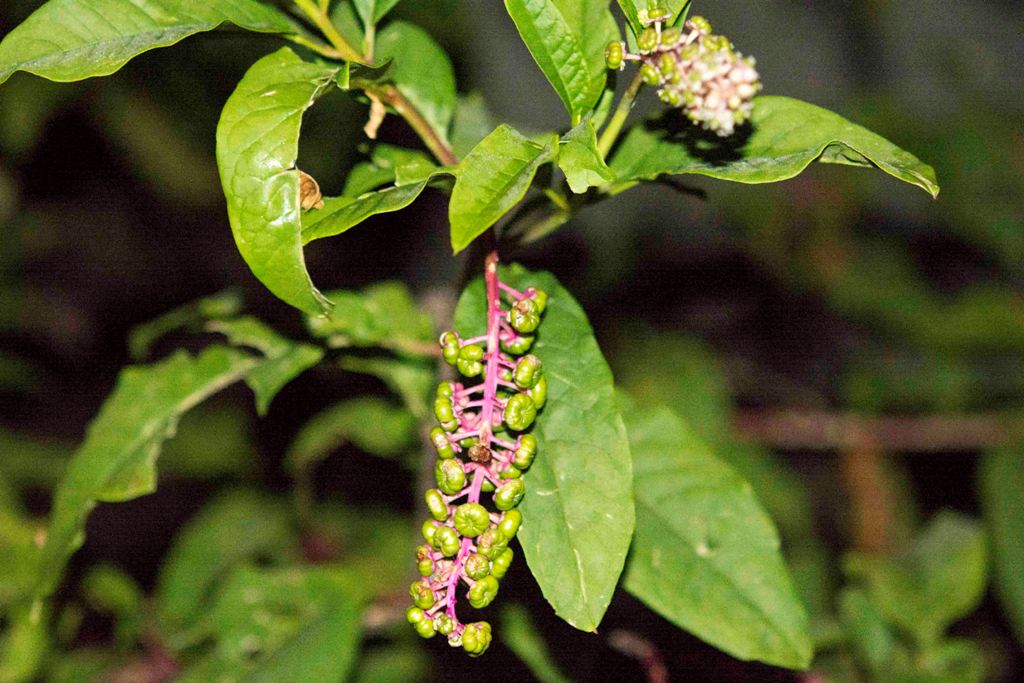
[318, 16]
[611, 132]
[390, 95]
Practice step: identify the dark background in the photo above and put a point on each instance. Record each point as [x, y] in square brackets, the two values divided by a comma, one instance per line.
[842, 291]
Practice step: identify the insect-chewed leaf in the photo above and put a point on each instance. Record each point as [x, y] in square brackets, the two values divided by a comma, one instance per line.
[68, 40]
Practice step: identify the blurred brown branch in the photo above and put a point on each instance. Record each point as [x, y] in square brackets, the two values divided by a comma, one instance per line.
[825, 431]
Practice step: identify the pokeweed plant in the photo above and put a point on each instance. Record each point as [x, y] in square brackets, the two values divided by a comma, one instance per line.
[595, 491]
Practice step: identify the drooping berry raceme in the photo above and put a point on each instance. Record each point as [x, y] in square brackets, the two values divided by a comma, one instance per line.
[482, 448]
[694, 70]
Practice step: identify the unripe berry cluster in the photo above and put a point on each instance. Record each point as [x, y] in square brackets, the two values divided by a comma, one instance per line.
[466, 541]
[694, 69]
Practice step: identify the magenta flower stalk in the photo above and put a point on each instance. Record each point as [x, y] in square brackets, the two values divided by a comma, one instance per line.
[482, 448]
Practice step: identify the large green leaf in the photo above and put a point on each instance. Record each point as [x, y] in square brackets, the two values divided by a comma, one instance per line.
[784, 138]
[372, 11]
[294, 624]
[117, 462]
[257, 145]
[558, 51]
[340, 214]
[491, 180]
[384, 314]
[421, 71]
[141, 339]
[578, 510]
[285, 359]
[1002, 497]
[372, 424]
[940, 580]
[594, 26]
[68, 40]
[236, 527]
[633, 9]
[580, 160]
[705, 555]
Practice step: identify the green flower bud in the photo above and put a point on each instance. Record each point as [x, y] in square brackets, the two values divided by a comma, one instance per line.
[670, 97]
[518, 346]
[509, 494]
[667, 64]
[476, 638]
[425, 628]
[443, 410]
[650, 74]
[442, 443]
[421, 594]
[670, 36]
[698, 24]
[539, 393]
[510, 523]
[447, 541]
[613, 55]
[525, 451]
[437, 505]
[444, 624]
[483, 592]
[510, 472]
[477, 566]
[520, 412]
[524, 316]
[647, 40]
[450, 476]
[491, 543]
[429, 530]
[655, 14]
[527, 371]
[500, 564]
[472, 519]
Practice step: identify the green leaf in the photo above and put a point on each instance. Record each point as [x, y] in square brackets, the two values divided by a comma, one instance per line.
[109, 590]
[633, 8]
[257, 145]
[372, 424]
[347, 21]
[372, 11]
[580, 160]
[578, 509]
[705, 555]
[21, 556]
[521, 636]
[235, 527]
[421, 71]
[491, 180]
[412, 379]
[339, 214]
[872, 640]
[285, 359]
[24, 644]
[295, 624]
[940, 580]
[117, 462]
[68, 40]
[388, 164]
[1002, 490]
[225, 304]
[398, 663]
[594, 26]
[472, 123]
[558, 51]
[785, 137]
[384, 314]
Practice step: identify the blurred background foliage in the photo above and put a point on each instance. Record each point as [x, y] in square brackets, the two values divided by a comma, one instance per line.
[840, 294]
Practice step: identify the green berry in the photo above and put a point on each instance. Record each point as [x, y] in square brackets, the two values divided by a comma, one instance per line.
[539, 393]
[540, 298]
[437, 505]
[450, 347]
[520, 412]
[447, 541]
[524, 316]
[443, 410]
[442, 443]
[469, 368]
[667, 64]
[613, 55]
[477, 566]
[518, 345]
[425, 567]
[450, 476]
[472, 519]
[698, 24]
[429, 530]
[650, 74]
[425, 628]
[510, 523]
[500, 564]
[656, 12]
[444, 624]
[510, 472]
[670, 97]
[487, 486]
[483, 592]
[476, 638]
[527, 371]
[446, 389]
[415, 615]
[647, 40]
[509, 494]
[421, 594]
[472, 352]
[491, 543]
[525, 450]
[670, 36]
